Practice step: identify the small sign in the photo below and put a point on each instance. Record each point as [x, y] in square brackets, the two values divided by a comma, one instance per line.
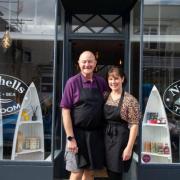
[146, 158]
[12, 91]
[171, 98]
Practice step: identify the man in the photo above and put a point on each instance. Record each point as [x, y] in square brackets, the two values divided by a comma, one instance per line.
[82, 105]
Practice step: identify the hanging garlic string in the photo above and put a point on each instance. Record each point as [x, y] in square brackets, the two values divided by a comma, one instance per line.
[6, 40]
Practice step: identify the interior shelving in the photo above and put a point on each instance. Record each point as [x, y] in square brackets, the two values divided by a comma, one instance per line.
[28, 142]
[156, 146]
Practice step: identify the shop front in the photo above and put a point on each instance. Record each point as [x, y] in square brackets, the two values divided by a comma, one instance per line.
[40, 45]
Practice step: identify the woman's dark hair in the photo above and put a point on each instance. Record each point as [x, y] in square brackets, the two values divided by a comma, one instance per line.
[119, 71]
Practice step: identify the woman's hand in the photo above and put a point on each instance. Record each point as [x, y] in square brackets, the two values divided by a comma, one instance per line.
[72, 146]
[126, 154]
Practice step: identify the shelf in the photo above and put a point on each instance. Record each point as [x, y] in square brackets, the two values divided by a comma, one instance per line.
[155, 125]
[156, 154]
[30, 122]
[28, 151]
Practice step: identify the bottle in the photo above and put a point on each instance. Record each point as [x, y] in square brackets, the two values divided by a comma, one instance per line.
[25, 115]
[160, 148]
[166, 148]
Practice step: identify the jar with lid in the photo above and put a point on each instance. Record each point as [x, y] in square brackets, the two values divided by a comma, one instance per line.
[166, 148]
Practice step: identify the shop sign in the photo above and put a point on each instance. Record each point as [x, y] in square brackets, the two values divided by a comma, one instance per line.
[171, 98]
[12, 91]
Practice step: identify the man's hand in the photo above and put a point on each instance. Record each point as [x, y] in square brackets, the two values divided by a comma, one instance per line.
[72, 146]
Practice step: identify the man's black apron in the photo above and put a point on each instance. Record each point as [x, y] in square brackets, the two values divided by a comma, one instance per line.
[87, 123]
[116, 138]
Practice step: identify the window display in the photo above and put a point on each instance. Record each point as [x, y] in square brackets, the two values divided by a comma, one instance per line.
[28, 140]
[156, 147]
[27, 123]
[161, 67]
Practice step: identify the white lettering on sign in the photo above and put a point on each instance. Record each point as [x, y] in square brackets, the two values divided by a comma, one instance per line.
[10, 109]
[171, 98]
[12, 91]
[14, 83]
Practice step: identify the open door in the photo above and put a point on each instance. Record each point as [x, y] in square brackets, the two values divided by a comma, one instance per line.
[107, 52]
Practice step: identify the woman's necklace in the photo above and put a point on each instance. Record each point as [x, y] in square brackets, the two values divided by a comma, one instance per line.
[115, 98]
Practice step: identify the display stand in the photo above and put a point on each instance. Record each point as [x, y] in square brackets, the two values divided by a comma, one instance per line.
[28, 142]
[1, 135]
[156, 146]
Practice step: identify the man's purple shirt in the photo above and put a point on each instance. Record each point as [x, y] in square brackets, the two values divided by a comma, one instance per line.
[73, 86]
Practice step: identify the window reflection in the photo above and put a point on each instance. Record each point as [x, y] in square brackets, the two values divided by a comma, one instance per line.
[164, 20]
[35, 16]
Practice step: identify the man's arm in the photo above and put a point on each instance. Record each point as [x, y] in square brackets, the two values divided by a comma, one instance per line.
[71, 145]
[67, 122]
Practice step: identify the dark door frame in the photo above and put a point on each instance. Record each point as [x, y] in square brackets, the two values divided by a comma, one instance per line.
[70, 37]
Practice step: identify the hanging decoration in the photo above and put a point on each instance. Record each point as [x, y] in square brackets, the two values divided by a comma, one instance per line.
[6, 40]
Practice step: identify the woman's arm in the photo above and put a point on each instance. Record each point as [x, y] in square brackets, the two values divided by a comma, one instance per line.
[132, 137]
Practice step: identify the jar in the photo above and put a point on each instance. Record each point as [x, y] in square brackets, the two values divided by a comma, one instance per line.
[166, 148]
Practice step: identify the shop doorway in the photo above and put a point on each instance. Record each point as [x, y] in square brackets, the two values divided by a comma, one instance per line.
[107, 36]
[108, 53]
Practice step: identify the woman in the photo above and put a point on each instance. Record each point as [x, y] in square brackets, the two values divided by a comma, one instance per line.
[122, 114]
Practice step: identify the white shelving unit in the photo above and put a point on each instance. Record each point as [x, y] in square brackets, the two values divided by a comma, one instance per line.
[156, 146]
[28, 142]
[1, 135]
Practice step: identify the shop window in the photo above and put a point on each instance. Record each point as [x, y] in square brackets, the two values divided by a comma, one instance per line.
[29, 17]
[26, 100]
[161, 72]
